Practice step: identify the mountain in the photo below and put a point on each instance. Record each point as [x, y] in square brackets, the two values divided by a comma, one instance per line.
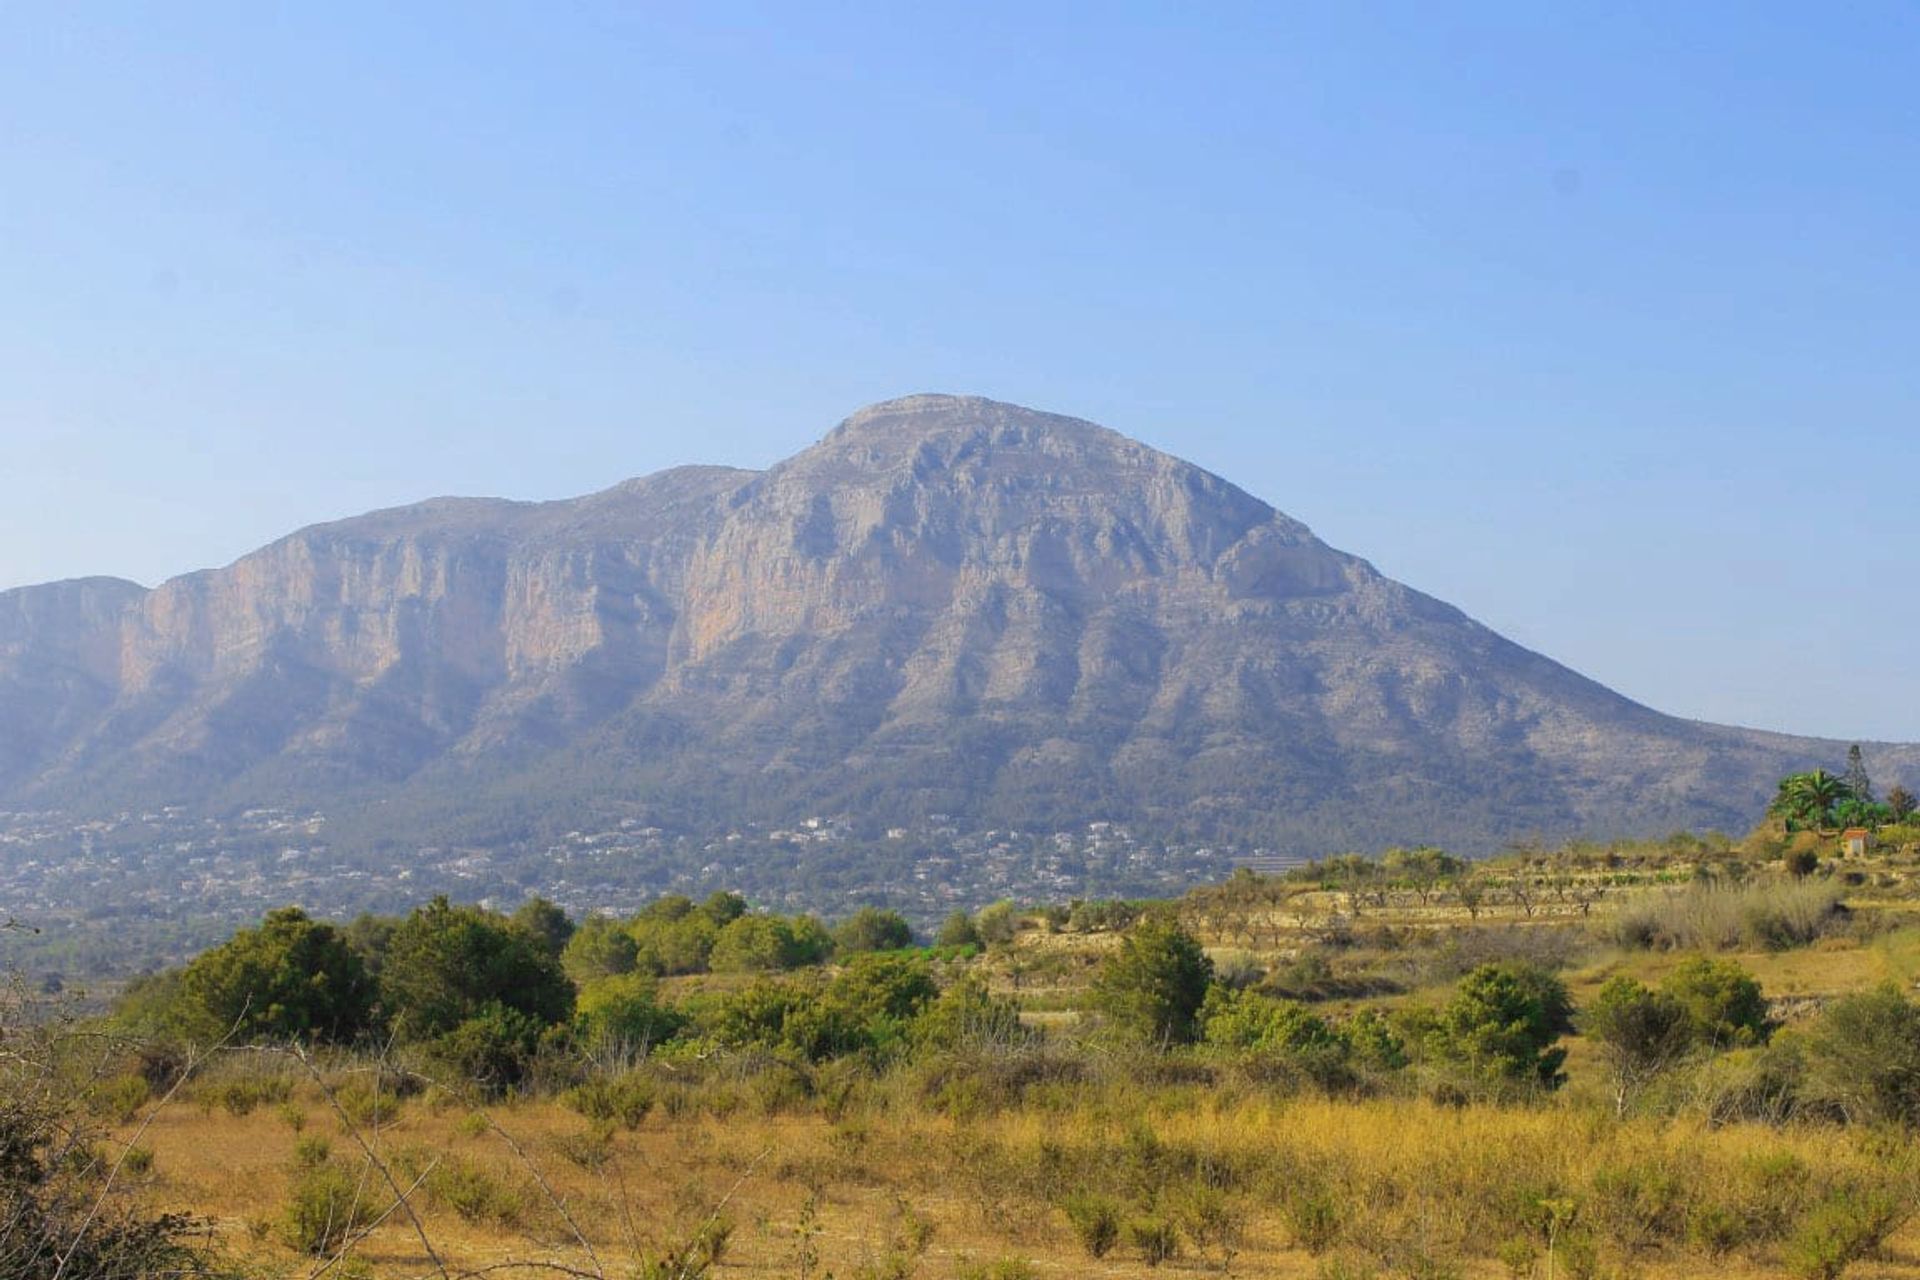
[946, 606]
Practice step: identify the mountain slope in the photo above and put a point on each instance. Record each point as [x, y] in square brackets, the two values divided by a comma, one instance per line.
[948, 605]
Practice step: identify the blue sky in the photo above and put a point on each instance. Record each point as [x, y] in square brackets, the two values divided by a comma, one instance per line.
[1595, 320]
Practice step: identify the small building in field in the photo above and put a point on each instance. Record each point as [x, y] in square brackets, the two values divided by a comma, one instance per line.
[1855, 841]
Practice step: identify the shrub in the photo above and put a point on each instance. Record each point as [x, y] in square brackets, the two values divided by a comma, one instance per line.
[1313, 1217]
[590, 1149]
[241, 1097]
[1863, 1057]
[311, 1151]
[624, 1100]
[366, 1102]
[872, 929]
[1839, 1231]
[326, 1205]
[473, 1193]
[1156, 1239]
[120, 1098]
[1096, 1222]
[622, 1017]
[138, 1161]
[1717, 917]
[493, 1050]
[1212, 1221]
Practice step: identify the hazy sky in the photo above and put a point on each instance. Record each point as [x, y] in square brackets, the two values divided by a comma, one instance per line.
[1595, 320]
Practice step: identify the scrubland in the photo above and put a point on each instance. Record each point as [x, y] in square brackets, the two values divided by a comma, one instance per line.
[1340, 1104]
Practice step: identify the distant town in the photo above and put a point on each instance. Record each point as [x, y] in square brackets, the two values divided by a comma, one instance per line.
[136, 890]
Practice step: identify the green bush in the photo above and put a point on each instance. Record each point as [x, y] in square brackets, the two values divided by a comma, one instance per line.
[1863, 1057]
[872, 929]
[311, 1151]
[119, 1098]
[1153, 985]
[1724, 1006]
[474, 1193]
[623, 1100]
[1502, 1025]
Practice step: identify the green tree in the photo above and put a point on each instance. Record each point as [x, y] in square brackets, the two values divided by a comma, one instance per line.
[1859, 785]
[1640, 1033]
[870, 1007]
[1723, 1004]
[760, 943]
[957, 931]
[600, 948]
[671, 937]
[292, 978]
[872, 929]
[1503, 1024]
[546, 922]
[723, 907]
[997, 923]
[1153, 984]
[448, 964]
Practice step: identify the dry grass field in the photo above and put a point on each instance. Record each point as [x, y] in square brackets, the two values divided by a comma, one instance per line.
[1304, 1187]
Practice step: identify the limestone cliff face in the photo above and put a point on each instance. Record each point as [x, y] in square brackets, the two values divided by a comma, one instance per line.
[947, 605]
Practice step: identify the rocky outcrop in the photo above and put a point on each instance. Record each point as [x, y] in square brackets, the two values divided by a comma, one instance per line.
[947, 605]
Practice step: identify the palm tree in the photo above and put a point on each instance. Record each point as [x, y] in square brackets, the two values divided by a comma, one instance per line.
[1806, 799]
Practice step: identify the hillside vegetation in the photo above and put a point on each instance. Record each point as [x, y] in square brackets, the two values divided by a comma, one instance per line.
[1649, 1060]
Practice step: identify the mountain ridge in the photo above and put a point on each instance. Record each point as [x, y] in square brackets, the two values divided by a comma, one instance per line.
[947, 604]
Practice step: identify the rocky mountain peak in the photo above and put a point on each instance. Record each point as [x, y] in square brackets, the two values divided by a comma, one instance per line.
[948, 604]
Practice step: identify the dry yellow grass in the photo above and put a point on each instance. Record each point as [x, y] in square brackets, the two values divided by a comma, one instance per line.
[1426, 1172]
